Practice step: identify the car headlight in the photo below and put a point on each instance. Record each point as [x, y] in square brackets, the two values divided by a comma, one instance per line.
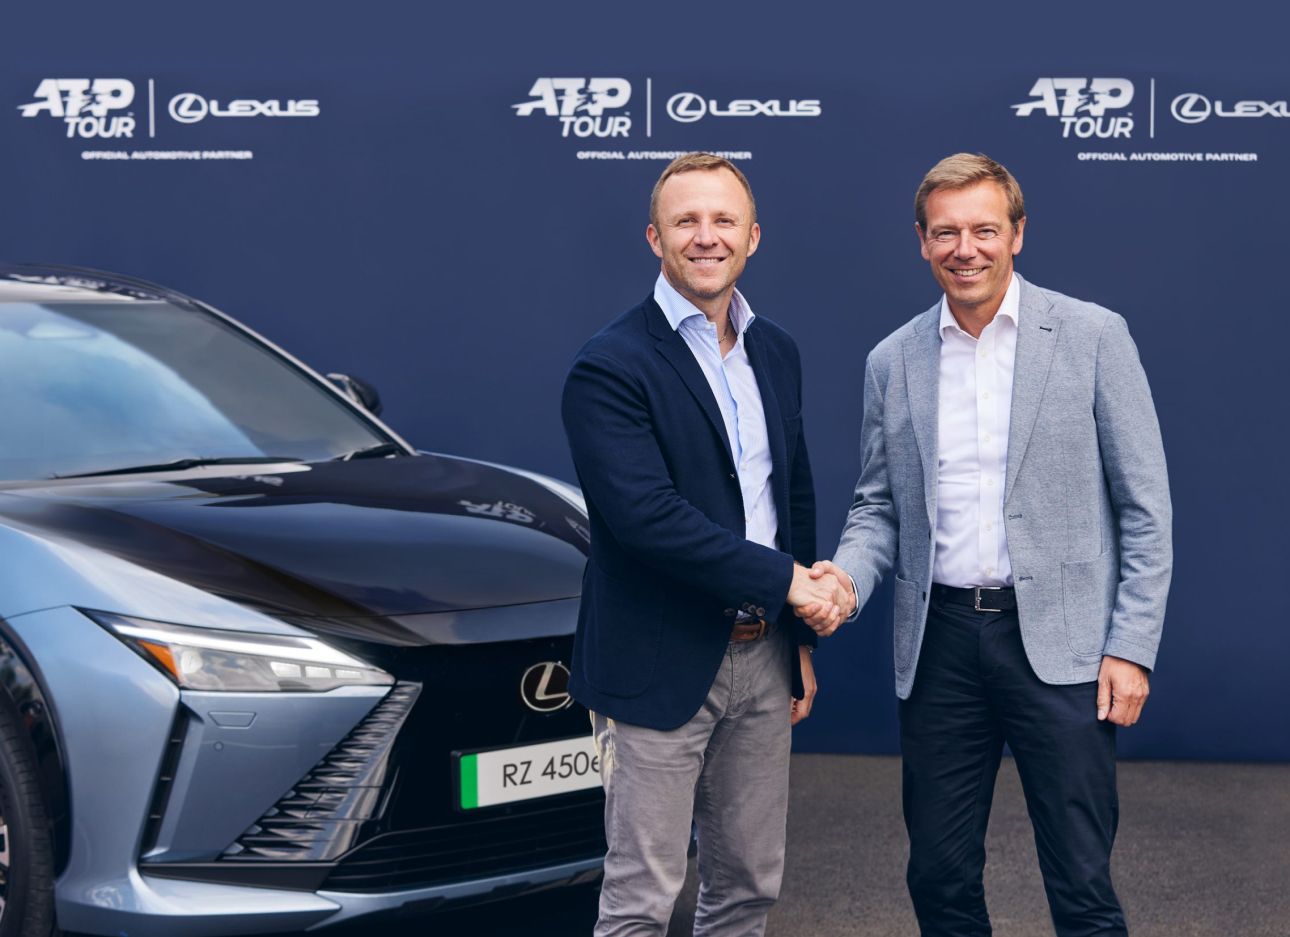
[209, 659]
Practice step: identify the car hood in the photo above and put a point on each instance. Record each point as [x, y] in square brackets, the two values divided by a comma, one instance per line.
[360, 539]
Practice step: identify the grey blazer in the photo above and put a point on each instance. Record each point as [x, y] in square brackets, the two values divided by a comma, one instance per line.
[1086, 494]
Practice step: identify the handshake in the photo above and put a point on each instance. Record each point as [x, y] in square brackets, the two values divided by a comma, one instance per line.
[821, 596]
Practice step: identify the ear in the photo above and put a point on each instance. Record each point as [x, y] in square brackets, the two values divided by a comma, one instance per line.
[1019, 237]
[754, 238]
[922, 241]
[651, 235]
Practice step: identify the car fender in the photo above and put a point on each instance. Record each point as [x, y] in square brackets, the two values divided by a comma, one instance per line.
[22, 693]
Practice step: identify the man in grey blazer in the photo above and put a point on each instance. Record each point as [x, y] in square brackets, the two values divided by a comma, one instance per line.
[1014, 477]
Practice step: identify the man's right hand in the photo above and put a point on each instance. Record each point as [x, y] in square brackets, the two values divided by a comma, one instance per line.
[821, 599]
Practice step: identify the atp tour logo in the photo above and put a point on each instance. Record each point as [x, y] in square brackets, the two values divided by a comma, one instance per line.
[1082, 104]
[580, 105]
[85, 105]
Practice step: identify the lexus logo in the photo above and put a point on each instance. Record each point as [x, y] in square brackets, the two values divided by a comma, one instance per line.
[545, 687]
[1190, 108]
[188, 108]
[686, 107]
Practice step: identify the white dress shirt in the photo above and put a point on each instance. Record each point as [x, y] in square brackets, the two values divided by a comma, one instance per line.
[734, 385]
[974, 404]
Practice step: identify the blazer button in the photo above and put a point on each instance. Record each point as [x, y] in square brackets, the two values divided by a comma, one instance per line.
[761, 612]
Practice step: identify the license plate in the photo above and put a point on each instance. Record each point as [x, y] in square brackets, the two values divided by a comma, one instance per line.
[506, 775]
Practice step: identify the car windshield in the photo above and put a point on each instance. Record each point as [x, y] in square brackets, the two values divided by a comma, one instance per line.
[95, 386]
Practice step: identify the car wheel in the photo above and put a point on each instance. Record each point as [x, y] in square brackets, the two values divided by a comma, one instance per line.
[26, 850]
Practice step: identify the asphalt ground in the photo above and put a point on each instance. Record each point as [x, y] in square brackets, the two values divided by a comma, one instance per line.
[1203, 851]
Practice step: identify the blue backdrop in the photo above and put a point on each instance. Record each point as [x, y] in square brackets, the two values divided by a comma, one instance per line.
[402, 192]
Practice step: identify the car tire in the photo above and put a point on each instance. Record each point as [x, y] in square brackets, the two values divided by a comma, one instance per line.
[26, 847]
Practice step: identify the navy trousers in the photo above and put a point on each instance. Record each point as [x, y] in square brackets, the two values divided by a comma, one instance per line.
[974, 691]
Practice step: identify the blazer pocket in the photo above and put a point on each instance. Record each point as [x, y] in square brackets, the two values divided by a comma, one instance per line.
[1088, 598]
[906, 622]
[622, 647]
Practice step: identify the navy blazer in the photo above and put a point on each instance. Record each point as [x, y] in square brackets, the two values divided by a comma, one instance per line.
[669, 565]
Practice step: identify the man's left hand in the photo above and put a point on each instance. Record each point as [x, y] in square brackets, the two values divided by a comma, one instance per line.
[1122, 689]
[801, 708]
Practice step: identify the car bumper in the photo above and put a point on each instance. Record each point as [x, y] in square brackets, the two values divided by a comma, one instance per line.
[163, 907]
[117, 716]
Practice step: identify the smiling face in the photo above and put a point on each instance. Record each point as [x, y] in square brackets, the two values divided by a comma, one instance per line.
[970, 243]
[704, 234]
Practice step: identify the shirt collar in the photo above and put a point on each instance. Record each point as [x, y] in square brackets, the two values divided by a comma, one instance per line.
[1009, 308]
[678, 309]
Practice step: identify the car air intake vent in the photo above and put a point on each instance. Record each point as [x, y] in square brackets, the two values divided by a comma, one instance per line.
[165, 779]
[473, 849]
[321, 817]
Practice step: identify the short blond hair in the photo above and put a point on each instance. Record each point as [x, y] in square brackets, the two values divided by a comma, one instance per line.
[962, 170]
[691, 162]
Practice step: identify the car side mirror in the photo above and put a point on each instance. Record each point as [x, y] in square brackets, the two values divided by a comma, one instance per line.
[359, 391]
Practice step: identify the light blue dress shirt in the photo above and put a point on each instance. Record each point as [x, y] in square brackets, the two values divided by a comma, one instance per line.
[734, 385]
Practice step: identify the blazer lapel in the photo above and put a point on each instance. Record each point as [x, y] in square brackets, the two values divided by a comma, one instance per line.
[672, 347]
[774, 416]
[1036, 341]
[922, 382]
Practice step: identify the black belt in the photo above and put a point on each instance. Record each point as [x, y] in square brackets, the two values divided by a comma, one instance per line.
[979, 598]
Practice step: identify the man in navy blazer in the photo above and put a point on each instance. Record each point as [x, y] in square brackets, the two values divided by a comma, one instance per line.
[684, 420]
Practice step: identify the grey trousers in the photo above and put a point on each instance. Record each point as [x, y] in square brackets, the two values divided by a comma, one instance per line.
[727, 769]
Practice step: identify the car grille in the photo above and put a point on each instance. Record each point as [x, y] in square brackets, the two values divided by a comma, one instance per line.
[379, 812]
[470, 701]
[323, 815]
[473, 849]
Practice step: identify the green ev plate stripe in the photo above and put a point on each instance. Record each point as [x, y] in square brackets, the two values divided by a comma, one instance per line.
[469, 783]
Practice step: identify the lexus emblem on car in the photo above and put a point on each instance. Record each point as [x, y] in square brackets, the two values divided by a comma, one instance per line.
[545, 687]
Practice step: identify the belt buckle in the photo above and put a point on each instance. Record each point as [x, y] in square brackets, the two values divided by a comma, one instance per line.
[977, 590]
[743, 636]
